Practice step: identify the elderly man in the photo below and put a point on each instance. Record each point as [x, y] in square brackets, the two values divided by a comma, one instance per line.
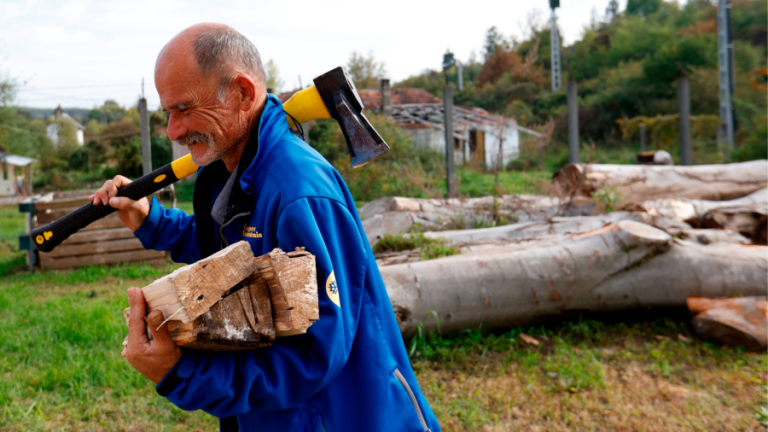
[350, 371]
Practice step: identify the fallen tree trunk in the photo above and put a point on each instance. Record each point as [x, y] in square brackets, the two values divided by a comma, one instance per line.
[532, 230]
[638, 183]
[391, 215]
[621, 266]
[692, 211]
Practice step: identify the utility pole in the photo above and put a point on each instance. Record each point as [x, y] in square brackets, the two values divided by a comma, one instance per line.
[573, 122]
[146, 145]
[684, 99]
[642, 137]
[450, 169]
[554, 39]
[725, 72]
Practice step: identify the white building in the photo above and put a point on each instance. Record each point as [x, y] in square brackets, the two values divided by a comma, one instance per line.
[53, 128]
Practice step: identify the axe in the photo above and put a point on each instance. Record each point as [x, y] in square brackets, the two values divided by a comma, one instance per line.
[333, 96]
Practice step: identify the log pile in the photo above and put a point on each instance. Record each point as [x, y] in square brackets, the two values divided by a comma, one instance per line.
[619, 266]
[685, 231]
[235, 301]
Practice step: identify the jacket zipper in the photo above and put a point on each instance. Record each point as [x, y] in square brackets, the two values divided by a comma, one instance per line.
[222, 238]
[415, 403]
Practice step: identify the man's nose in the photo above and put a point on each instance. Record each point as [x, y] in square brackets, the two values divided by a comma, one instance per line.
[176, 128]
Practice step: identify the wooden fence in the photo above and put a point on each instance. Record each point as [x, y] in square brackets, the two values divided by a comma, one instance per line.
[106, 241]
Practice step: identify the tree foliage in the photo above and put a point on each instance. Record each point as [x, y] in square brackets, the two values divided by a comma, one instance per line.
[365, 71]
[274, 82]
[626, 67]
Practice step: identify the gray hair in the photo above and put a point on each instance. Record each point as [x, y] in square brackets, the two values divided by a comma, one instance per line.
[223, 51]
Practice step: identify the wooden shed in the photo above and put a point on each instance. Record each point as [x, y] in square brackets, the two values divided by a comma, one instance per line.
[106, 241]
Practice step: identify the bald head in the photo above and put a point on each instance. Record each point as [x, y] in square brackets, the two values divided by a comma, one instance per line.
[211, 82]
[215, 51]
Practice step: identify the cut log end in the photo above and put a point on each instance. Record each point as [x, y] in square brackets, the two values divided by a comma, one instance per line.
[643, 232]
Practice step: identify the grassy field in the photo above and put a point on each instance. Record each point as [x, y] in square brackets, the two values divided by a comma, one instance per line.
[61, 367]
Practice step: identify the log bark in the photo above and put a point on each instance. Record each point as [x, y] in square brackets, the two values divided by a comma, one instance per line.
[620, 266]
[638, 183]
[733, 321]
[292, 281]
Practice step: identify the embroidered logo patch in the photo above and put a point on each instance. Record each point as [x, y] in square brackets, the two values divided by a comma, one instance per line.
[251, 232]
[332, 289]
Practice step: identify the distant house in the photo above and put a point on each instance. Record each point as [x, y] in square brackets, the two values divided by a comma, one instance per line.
[477, 132]
[53, 128]
[16, 175]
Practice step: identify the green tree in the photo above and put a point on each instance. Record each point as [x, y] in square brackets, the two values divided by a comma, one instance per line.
[365, 71]
[273, 77]
[493, 41]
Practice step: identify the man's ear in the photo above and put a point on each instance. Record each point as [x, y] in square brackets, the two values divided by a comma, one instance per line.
[248, 91]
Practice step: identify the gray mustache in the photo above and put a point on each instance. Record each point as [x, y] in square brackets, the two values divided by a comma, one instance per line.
[194, 137]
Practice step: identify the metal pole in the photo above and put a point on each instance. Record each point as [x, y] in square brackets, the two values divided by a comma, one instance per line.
[684, 99]
[554, 38]
[573, 122]
[448, 122]
[725, 74]
[642, 137]
[146, 146]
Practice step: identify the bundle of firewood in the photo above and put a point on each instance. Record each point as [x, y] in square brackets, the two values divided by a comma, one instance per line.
[235, 301]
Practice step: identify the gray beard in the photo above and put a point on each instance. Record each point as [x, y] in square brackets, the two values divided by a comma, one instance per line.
[211, 144]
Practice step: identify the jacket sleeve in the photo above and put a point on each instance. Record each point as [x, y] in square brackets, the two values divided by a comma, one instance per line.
[172, 230]
[296, 367]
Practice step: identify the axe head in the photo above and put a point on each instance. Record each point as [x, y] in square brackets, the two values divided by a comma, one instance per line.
[344, 104]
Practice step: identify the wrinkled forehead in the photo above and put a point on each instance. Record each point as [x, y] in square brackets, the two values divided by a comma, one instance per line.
[178, 79]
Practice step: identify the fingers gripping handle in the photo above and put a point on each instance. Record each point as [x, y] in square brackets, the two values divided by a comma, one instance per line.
[47, 237]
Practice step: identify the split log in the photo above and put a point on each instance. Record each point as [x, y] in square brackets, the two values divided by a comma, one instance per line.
[292, 281]
[638, 183]
[233, 301]
[620, 266]
[190, 291]
[733, 321]
[241, 320]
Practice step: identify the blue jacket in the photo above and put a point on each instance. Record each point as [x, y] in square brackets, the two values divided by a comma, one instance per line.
[350, 371]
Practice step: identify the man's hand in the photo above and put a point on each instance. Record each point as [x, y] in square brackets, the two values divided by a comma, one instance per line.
[132, 213]
[155, 358]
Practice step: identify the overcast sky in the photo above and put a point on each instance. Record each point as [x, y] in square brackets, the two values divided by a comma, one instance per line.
[80, 52]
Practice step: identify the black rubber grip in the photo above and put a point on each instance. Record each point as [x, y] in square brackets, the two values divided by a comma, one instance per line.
[46, 238]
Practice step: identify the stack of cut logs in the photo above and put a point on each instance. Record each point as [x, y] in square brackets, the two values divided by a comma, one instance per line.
[233, 301]
[682, 232]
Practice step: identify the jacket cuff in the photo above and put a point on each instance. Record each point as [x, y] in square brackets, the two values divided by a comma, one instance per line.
[171, 379]
[146, 231]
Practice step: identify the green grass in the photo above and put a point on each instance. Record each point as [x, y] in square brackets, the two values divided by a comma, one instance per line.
[642, 371]
[61, 367]
[429, 248]
[476, 183]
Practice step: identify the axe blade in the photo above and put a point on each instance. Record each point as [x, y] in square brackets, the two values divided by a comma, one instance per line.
[363, 142]
[342, 100]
